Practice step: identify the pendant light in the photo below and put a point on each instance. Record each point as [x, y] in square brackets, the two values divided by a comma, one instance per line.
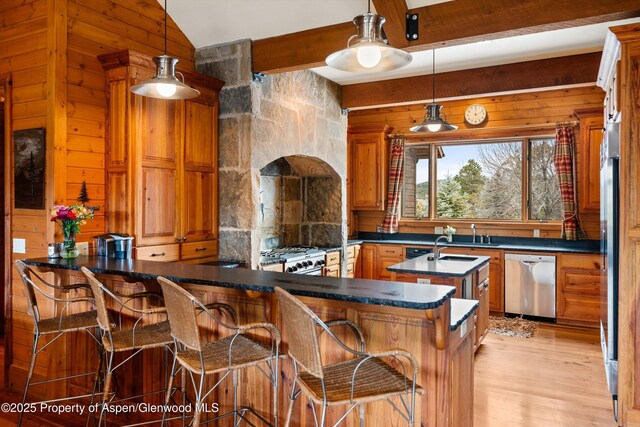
[165, 84]
[432, 121]
[368, 51]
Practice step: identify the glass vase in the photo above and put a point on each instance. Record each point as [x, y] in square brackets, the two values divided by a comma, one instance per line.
[69, 245]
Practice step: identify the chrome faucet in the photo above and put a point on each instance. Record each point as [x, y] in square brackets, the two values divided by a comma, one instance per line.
[473, 230]
[436, 251]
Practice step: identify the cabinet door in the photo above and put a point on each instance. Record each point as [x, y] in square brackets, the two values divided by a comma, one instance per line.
[200, 180]
[368, 261]
[589, 158]
[159, 131]
[158, 220]
[482, 323]
[369, 171]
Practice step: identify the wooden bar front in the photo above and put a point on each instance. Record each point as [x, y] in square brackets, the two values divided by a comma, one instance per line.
[445, 358]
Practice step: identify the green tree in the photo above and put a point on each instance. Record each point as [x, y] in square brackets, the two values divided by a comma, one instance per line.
[452, 203]
[470, 178]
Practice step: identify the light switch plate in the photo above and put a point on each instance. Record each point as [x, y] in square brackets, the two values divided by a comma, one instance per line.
[439, 230]
[536, 233]
[83, 248]
[19, 246]
[424, 281]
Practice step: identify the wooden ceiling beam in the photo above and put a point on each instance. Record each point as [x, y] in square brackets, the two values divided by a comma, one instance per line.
[543, 73]
[446, 24]
[395, 13]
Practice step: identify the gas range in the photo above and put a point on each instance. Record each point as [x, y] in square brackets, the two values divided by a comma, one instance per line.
[298, 259]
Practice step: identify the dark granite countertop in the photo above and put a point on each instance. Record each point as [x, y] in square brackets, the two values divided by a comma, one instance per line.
[339, 248]
[461, 310]
[499, 242]
[375, 292]
[439, 267]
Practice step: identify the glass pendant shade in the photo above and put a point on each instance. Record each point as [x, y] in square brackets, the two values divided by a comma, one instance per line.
[367, 51]
[165, 84]
[433, 122]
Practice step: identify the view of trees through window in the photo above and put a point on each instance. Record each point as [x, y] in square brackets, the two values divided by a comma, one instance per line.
[483, 181]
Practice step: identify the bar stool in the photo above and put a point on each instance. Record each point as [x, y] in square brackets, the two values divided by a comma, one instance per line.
[225, 356]
[115, 340]
[59, 324]
[362, 379]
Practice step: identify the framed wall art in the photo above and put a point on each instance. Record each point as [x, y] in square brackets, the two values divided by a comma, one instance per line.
[29, 168]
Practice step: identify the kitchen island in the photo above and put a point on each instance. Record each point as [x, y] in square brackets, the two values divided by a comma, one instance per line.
[468, 273]
[411, 316]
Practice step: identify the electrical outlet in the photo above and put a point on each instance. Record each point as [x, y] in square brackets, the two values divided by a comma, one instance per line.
[424, 281]
[536, 233]
[439, 230]
[19, 246]
[83, 248]
[463, 328]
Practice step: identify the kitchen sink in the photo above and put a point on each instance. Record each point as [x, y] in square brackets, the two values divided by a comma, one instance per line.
[457, 258]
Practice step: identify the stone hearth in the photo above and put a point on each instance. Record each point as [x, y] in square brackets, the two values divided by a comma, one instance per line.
[290, 115]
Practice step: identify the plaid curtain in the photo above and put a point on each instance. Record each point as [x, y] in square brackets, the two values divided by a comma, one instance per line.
[563, 160]
[396, 171]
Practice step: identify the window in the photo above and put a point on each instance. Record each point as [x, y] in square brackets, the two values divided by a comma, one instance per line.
[482, 181]
[415, 186]
[544, 193]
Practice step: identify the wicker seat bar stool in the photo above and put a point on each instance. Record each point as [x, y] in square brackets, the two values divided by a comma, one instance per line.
[116, 339]
[363, 378]
[61, 323]
[225, 356]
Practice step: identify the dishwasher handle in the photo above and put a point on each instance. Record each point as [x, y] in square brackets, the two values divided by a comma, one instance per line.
[529, 259]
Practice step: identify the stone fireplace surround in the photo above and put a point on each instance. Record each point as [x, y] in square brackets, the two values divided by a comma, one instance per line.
[295, 116]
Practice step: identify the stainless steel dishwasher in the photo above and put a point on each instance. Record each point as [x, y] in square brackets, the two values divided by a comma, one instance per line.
[530, 285]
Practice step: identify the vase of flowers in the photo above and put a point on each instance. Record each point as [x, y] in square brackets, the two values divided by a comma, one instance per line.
[70, 218]
[449, 231]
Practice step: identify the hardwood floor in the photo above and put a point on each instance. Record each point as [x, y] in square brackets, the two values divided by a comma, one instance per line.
[554, 379]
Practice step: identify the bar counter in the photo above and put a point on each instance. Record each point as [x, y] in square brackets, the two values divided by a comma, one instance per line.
[410, 316]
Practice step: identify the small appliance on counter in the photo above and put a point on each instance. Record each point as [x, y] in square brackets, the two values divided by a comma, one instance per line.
[114, 245]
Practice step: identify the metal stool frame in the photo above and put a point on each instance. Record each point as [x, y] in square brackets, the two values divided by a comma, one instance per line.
[76, 322]
[183, 309]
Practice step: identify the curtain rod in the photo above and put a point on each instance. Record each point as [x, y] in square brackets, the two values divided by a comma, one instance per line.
[541, 126]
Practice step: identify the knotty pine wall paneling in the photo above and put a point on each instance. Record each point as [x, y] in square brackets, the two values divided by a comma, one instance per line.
[48, 51]
[96, 27]
[523, 114]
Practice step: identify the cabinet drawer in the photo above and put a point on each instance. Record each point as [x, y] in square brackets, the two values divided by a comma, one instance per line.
[351, 269]
[278, 268]
[573, 307]
[332, 271]
[199, 249]
[390, 251]
[351, 252]
[483, 274]
[158, 253]
[581, 283]
[582, 262]
[332, 258]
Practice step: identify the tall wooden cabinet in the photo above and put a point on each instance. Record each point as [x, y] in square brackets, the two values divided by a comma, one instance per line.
[161, 164]
[369, 152]
[591, 124]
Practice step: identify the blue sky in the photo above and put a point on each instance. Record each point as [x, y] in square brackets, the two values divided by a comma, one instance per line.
[456, 156]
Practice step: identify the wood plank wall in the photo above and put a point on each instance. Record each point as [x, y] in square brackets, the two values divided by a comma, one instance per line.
[516, 114]
[96, 27]
[48, 48]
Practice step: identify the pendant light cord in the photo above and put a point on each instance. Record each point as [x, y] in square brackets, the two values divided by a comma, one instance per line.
[165, 27]
[368, 7]
[433, 77]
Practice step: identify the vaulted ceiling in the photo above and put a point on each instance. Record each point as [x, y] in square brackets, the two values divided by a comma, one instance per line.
[297, 34]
